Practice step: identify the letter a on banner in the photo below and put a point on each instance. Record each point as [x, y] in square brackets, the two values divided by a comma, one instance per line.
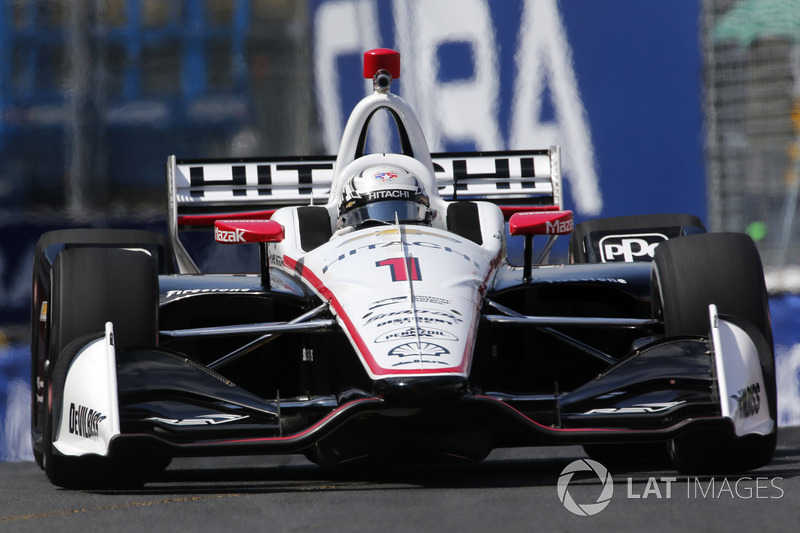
[544, 57]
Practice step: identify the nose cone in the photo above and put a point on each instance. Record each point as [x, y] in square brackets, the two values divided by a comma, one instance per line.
[421, 391]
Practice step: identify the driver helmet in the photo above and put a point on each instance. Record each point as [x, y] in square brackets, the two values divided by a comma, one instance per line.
[382, 194]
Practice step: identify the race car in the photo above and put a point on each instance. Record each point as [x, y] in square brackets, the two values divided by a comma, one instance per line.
[392, 319]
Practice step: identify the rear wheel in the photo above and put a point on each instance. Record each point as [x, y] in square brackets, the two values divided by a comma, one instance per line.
[725, 269]
[92, 286]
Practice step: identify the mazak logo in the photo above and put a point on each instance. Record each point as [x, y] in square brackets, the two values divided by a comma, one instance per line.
[630, 248]
[585, 509]
[236, 235]
[559, 227]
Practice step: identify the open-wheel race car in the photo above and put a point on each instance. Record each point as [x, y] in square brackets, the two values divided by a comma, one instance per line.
[388, 320]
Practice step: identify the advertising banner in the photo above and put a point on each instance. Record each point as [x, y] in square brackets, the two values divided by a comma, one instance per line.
[616, 83]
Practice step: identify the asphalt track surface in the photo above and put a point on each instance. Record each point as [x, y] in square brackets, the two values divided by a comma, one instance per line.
[512, 490]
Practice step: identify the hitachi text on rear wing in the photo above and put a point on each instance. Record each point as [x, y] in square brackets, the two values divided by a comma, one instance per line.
[202, 191]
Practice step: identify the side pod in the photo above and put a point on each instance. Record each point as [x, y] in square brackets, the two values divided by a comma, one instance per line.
[87, 416]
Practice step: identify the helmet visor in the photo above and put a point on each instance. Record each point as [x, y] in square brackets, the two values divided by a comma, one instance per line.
[387, 211]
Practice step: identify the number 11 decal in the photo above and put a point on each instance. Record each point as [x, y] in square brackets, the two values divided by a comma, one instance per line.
[400, 271]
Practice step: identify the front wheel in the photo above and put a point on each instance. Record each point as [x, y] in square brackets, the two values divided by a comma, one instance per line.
[723, 269]
[92, 286]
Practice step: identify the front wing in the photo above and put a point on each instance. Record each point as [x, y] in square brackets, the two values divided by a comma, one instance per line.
[164, 400]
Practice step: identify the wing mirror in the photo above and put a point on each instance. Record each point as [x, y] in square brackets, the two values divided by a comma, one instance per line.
[550, 223]
[248, 231]
[541, 223]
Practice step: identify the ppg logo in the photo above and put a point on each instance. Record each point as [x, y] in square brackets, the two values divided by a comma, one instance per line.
[630, 248]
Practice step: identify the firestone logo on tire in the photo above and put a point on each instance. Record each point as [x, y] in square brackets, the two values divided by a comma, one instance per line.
[585, 509]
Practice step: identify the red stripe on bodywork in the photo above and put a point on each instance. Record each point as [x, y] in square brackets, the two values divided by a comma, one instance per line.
[306, 431]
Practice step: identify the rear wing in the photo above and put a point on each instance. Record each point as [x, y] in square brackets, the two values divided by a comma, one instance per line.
[204, 190]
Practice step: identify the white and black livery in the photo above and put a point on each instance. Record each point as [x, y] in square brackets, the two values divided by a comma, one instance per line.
[387, 320]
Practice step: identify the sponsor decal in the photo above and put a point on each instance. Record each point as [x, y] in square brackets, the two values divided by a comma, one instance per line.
[749, 400]
[84, 422]
[412, 333]
[202, 420]
[386, 176]
[395, 231]
[424, 349]
[398, 243]
[426, 316]
[237, 181]
[434, 300]
[275, 260]
[389, 194]
[558, 227]
[184, 292]
[234, 236]
[642, 408]
[630, 248]
[583, 280]
[413, 352]
[385, 302]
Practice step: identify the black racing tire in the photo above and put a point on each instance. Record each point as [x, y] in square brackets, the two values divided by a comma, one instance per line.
[725, 269]
[627, 456]
[157, 244]
[577, 250]
[92, 286]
